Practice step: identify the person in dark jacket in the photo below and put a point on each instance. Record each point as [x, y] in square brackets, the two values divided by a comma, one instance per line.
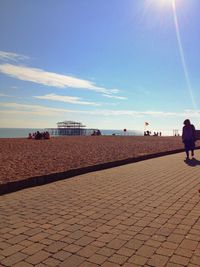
[188, 137]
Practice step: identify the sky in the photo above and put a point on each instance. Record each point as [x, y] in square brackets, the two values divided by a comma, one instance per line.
[109, 64]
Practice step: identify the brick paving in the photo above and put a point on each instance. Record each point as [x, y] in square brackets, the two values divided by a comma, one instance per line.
[141, 214]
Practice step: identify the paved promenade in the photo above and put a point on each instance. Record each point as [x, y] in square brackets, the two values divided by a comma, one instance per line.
[141, 214]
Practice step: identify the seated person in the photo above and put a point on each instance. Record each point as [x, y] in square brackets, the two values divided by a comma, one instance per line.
[98, 132]
[38, 135]
[46, 135]
[30, 136]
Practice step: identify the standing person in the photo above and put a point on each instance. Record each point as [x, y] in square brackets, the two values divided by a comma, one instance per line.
[188, 137]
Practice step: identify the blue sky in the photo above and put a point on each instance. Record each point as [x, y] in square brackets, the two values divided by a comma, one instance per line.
[109, 64]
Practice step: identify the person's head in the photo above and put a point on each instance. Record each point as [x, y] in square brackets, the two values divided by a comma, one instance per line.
[187, 122]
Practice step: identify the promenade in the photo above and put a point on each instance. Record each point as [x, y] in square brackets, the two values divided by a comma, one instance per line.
[141, 214]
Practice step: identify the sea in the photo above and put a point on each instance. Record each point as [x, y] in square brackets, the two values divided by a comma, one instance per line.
[23, 132]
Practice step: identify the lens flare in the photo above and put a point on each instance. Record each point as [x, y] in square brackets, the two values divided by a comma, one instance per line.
[173, 4]
[182, 55]
[161, 2]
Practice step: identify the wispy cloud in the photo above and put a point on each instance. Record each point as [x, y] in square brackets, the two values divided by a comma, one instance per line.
[67, 99]
[9, 107]
[51, 79]
[115, 97]
[4, 95]
[9, 56]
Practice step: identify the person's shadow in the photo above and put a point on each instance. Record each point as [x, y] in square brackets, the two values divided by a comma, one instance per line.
[192, 162]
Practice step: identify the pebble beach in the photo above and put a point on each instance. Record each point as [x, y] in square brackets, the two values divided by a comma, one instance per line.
[21, 158]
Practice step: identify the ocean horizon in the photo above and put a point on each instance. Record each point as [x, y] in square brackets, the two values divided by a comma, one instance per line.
[23, 132]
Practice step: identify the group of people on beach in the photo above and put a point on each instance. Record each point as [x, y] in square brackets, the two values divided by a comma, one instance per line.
[96, 132]
[148, 133]
[39, 135]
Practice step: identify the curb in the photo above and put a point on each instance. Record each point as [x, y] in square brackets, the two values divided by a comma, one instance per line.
[53, 177]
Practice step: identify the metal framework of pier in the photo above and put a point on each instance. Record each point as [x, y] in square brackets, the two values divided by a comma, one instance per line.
[70, 128]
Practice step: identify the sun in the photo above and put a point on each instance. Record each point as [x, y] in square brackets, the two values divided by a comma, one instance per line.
[164, 3]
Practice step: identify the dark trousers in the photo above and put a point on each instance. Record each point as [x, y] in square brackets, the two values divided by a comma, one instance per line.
[189, 145]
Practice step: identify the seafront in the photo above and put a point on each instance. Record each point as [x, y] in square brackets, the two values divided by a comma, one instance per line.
[141, 214]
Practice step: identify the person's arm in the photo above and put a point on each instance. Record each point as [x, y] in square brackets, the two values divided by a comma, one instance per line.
[183, 134]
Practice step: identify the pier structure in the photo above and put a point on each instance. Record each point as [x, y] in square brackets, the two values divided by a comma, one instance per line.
[70, 128]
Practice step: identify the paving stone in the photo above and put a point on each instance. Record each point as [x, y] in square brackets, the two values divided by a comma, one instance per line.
[189, 244]
[158, 260]
[106, 251]
[38, 237]
[134, 244]
[11, 250]
[97, 259]
[33, 248]
[13, 259]
[169, 245]
[55, 247]
[17, 239]
[32, 232]
[179, 260]
[52, 262]
[165, 251]
[61, 255]
[184, 252]
[119, 259]
[84, 241]
[87, 251]
[137, 259]
[106, 238]
[153, 243]
[175, 238]
[72, 248]
[38, 257]
[72, 261]
[116, 243]
[125, 251]
[146, 251]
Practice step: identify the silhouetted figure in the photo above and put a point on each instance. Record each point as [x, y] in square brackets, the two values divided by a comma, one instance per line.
[46, 135]
[38, 135]
[30, 136]
[98, 132]
[188, 137]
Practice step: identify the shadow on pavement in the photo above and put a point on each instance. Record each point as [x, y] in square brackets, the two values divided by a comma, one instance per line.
[192, 162]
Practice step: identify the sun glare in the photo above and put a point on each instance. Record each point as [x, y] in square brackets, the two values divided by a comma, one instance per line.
[165, 3]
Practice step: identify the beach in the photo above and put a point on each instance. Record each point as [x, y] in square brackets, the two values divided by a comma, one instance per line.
[21, 158]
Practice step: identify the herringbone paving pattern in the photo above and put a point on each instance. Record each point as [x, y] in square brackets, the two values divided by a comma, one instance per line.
[141, 214]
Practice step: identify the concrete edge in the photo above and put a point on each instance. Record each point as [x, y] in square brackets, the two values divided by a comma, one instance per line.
[53, 177]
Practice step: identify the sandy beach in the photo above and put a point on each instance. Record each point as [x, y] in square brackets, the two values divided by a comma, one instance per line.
[22, 158]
